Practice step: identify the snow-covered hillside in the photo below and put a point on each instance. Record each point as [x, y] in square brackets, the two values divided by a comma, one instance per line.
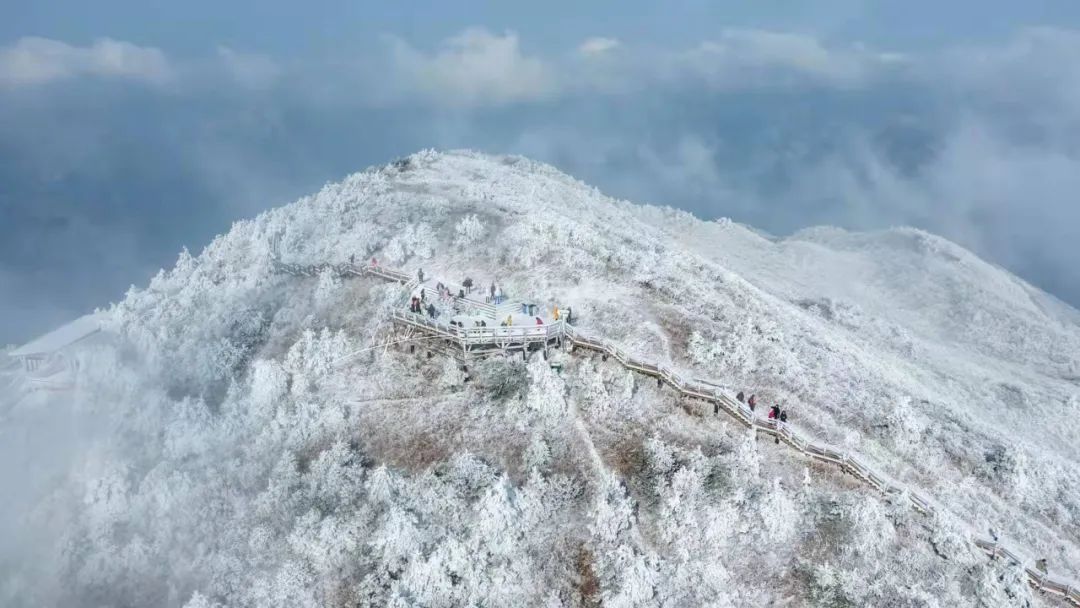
[229, 453]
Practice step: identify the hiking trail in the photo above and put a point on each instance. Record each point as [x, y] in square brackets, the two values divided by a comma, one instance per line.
[468, 344]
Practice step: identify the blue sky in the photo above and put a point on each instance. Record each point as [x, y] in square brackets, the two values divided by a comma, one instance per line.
[289, 28]
[131, 129]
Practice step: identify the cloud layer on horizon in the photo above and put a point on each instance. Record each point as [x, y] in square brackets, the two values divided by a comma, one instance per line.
[35, 61]
[777, 129]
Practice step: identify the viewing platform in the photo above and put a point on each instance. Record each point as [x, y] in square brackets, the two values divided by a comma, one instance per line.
[467, 341]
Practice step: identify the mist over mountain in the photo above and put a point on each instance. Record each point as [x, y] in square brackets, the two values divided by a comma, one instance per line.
[243, 437]
[119, 151]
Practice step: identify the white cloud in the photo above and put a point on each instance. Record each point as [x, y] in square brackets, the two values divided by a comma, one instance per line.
[598, 46]
[1037, 72]
[746, 57]
[249, 70]
[474, 68]
[38, 61]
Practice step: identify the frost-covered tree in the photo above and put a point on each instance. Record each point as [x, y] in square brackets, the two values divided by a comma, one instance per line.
[248, 447]
[469, 230]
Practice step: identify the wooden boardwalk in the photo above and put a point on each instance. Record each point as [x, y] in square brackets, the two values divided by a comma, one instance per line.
[466, 344]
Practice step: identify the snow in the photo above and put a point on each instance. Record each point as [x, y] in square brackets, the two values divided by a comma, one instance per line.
[241, 464]
[62, 336]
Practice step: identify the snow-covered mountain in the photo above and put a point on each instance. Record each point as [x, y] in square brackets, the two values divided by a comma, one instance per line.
[231, 446]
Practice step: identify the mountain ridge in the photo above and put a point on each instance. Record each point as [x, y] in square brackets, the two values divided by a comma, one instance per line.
[225, 356]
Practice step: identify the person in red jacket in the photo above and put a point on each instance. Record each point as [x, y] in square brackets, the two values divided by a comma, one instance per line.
[752, 402]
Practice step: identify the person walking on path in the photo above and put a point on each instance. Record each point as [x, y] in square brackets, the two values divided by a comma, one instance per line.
[569, 315]
[420, 275]
[524, 308]
[374, 263]
[555, 313]
[498, 295]
[752, 402]
[539, 321]
[740, 396]
[423, 295]
[774, 416]
[492, 291]
[431, 310]
[783, 420]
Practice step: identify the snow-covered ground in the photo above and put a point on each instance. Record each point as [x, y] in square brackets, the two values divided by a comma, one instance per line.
[232, 462]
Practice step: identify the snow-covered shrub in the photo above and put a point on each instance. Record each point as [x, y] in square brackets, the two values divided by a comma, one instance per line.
[546, 396]
[745, 461]
[269, 382]
[1000, 583]
[538, 454]
[905, 425]
[327, 287]
[501, 378]
[314, 356]
[469, 230]
[743, 345]
[779, 515]
[832, 587]
[951, 540]
[415, 240]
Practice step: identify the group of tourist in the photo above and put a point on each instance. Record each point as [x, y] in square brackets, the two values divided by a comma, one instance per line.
[416, 304]
[775, 413]
[475, 323]
[448, 299]
[451, 301]
[352, 261]
[496, 293]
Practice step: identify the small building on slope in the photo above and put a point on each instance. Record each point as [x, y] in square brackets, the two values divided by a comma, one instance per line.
[48, 360]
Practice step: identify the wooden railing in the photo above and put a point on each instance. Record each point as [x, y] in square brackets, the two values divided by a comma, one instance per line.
[344, 270]
[693, 388]
[468, 336]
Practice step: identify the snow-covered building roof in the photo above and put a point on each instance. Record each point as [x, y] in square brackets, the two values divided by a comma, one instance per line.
[62, 336]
